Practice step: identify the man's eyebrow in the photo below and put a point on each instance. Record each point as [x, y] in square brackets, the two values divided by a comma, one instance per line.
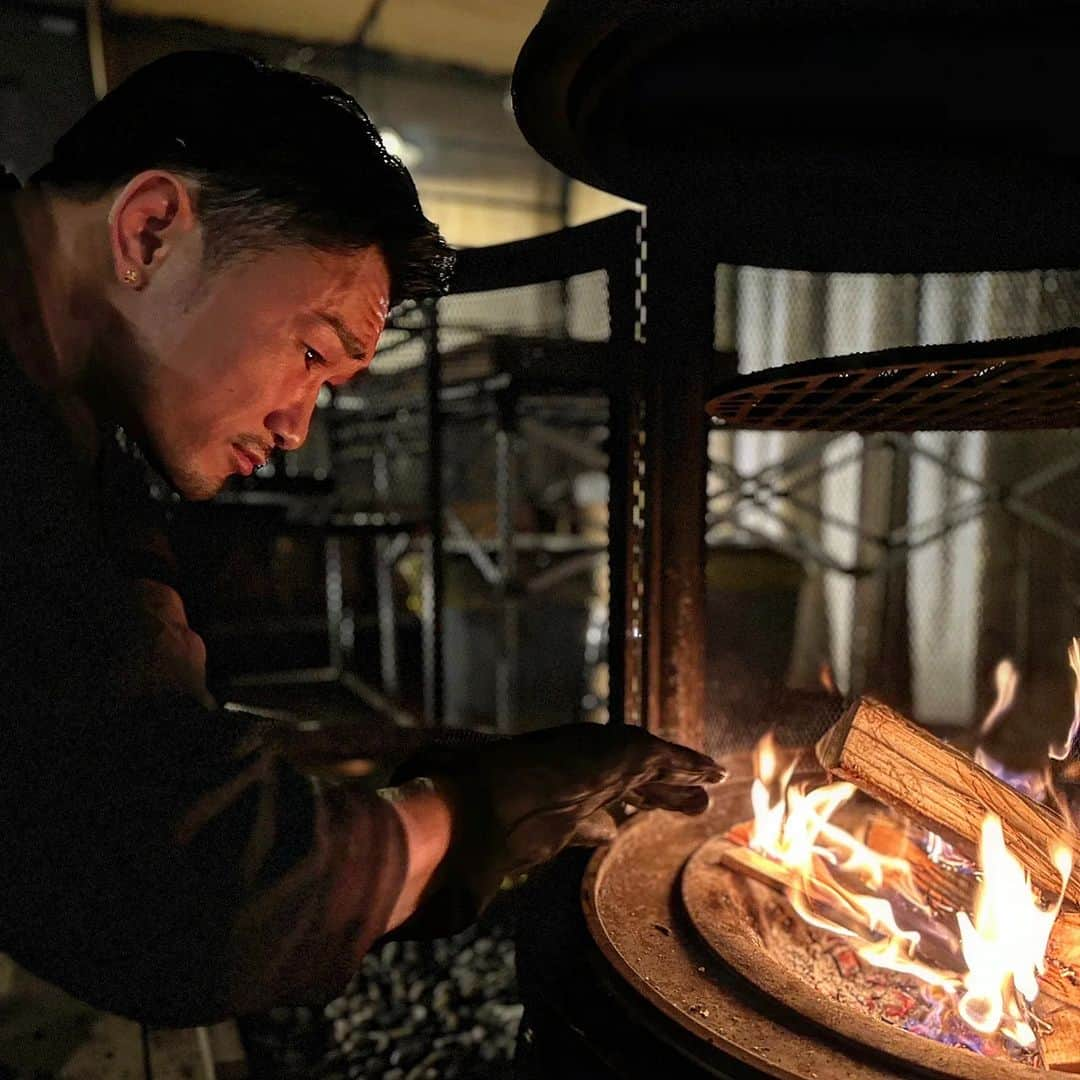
[349, 341]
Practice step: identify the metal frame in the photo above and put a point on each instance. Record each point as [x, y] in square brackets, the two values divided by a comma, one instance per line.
[885, 535]
[612, 245]
[895, 544]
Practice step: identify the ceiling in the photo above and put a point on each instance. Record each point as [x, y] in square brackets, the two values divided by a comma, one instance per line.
[484, 35]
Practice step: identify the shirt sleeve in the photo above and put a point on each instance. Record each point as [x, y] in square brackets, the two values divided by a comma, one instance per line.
[159, 859]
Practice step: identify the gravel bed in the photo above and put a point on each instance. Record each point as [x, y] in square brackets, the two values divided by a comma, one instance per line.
[435, 1010]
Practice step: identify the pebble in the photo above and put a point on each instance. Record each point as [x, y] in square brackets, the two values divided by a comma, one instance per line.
[440, 1010]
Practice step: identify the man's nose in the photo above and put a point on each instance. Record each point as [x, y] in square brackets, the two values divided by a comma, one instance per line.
[289, 426]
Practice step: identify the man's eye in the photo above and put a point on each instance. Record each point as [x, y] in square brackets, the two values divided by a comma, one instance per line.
[313, 358]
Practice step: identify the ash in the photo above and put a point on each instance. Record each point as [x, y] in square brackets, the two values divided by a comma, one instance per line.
[436, 1010]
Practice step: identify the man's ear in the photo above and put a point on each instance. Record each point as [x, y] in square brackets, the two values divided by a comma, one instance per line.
[148, 217]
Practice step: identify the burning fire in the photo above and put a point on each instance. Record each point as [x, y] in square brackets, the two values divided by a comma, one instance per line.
[1006, 681]
[837, 883]
[1004, 944]
[1060, 753]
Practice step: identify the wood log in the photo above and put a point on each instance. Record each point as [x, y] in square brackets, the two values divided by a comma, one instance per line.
[950, 891]
[1059, 1041]
[736, 856]
[903, 765]
[944, 889]
[1061, 978]
[733, 855]
[827, 891]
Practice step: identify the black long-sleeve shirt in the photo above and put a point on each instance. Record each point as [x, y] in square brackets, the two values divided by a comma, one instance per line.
[156, 858]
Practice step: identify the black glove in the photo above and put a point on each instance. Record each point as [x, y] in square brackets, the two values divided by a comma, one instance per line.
[519, 801]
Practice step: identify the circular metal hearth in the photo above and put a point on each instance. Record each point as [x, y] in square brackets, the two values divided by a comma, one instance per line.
[634, 915]
[725, 908]
[1011, 384]
[727, 998]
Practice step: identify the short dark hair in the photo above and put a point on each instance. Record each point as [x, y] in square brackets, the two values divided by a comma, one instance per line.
[280, 158]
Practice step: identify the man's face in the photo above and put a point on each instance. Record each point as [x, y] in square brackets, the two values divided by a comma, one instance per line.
[234, 371]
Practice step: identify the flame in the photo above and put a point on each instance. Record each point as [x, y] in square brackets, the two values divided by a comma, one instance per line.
[839, 884]
[1060, 753]
[1004, 943]
[827, 678]
[1006, 680]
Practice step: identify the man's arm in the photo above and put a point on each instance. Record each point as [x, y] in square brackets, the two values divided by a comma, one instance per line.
[179, 661]
[426, 820]
[160, 859]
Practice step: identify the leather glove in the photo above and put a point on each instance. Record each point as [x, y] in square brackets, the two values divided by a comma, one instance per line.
[517, 802]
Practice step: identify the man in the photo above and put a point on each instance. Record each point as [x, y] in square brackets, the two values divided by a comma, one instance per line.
[209, 246]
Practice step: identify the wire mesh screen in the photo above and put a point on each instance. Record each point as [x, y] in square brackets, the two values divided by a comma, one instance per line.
[905, 565]
[523, 417]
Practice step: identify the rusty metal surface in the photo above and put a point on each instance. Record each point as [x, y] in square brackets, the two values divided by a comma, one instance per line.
[1018, 383]
[681, 296]
[724, 908]
[634, 914]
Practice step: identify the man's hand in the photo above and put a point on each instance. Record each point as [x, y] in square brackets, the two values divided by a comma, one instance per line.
[517, 802]
[177, 655]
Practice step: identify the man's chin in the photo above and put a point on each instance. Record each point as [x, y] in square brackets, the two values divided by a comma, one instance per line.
[188, 483]
[194, 486]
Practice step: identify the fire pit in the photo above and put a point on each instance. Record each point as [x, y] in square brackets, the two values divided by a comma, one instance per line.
[715, 1018]
[820, 138]
[850, 915]
[695, 939]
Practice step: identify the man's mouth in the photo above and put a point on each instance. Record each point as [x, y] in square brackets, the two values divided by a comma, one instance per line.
[247, 461]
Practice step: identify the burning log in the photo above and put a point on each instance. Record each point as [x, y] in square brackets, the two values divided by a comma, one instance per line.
[732, 851]
[1062, 975]
[903, 765]
[945, 890]
[828, 900]
[1059, 1043]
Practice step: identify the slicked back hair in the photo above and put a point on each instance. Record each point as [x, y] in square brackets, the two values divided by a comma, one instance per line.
[279, 158]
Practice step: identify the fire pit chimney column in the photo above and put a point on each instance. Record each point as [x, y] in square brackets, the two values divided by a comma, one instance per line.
[680, 300]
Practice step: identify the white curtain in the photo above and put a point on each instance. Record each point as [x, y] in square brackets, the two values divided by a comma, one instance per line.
[831, 499]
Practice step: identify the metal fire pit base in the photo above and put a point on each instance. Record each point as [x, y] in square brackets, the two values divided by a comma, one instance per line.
[617, 984]
[759, 935]
[632, 907]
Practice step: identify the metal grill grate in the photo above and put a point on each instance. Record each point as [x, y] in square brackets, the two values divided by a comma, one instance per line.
[1022, 383]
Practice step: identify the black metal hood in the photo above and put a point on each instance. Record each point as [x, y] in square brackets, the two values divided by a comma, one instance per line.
[860, 135]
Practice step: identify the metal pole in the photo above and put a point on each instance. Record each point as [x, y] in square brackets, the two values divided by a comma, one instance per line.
[335, 604]
[626, 506]
[879, 656]
[679, 352]
[508, 658]
[433, 548]
[564, 284]
[384, 587]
